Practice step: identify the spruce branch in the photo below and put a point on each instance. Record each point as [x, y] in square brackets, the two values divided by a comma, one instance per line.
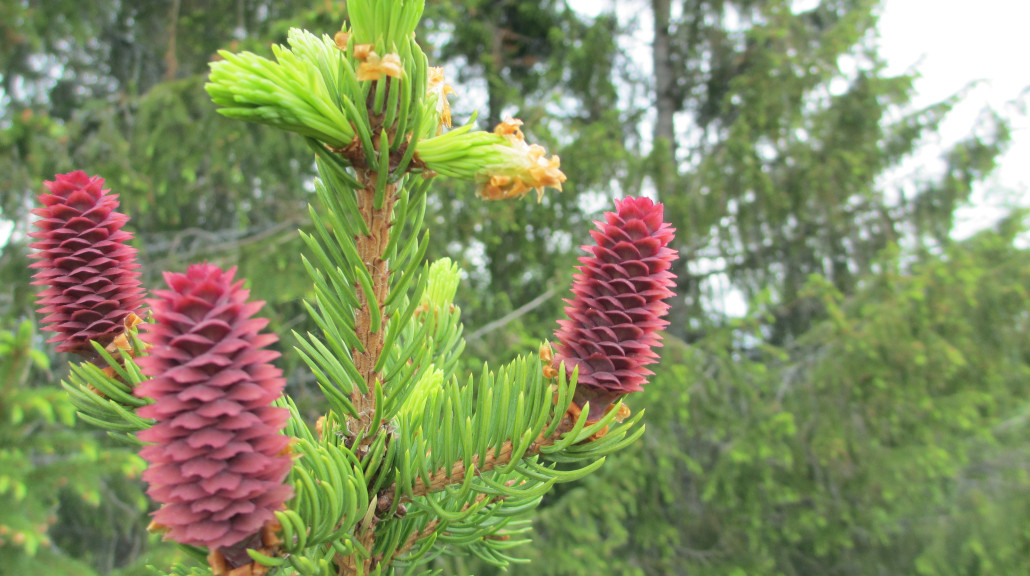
[405, 454]
[494, 459]
[434, 525]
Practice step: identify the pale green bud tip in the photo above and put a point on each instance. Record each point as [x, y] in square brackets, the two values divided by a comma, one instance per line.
[444, 277]
[429, 383]
[291, 93]
[502, 163]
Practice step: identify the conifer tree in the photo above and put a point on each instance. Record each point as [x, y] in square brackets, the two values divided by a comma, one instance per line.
[44, 462]
[411, 458]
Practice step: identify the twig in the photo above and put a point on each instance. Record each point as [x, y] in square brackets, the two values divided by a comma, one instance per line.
[433, 524]
[520, 311]
[371, 248]
[441, 478]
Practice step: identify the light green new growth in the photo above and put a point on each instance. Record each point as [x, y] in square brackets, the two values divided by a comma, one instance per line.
[313, 89]
[292, 94]
[444, 277]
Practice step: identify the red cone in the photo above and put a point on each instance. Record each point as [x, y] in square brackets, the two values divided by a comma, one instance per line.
[617, 309]
[85, 262]
[217, 462]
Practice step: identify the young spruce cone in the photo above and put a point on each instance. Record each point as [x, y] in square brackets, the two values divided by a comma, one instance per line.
[617, 309]
[85, 263]
[217, 462]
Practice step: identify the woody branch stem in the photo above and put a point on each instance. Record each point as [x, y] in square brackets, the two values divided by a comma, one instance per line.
[371, 249]
[456, 475]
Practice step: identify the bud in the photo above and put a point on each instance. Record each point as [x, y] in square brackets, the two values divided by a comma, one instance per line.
[502, 163]
[85, 262]
[617, 309]
[523, 167]
[218, 461]
[291, 93]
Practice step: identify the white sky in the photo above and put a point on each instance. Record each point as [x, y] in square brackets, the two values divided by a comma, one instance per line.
[951, 43]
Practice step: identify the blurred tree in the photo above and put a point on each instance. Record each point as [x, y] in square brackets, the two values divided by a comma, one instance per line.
[774, 126]
[116, 89]
[54, 477]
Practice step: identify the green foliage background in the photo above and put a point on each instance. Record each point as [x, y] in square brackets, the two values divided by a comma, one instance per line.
[867, 415]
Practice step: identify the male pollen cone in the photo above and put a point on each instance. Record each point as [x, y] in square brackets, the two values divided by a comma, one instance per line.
[85, 263]
[217, 462]
[618, 304]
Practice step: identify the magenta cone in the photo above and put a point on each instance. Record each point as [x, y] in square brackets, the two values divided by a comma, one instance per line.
[85, 263]
[618, 304]
[218, 461]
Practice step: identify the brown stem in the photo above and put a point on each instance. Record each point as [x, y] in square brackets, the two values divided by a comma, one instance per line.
[370, 248]
[423, 533]
[234, 561]
[431, 527]
[349, 565]
[442, 478]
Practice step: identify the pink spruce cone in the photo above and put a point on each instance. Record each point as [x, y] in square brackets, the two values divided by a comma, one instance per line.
[617, 310]
[217, 462]
[89, 270]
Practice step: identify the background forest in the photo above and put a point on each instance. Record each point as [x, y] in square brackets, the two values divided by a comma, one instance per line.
[866, 413]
